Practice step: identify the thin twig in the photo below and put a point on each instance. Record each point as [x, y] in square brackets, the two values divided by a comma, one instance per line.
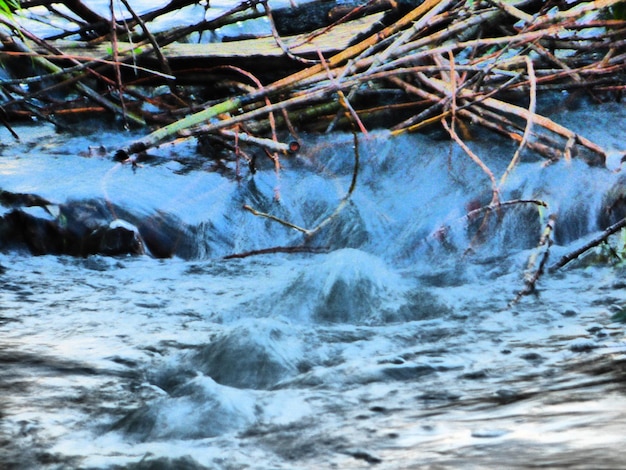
[602, 238]
[279, 42]
[476, 159]
[118, 72]
[165, 66]
[537, 261]
[529, 122]
[344, 201]
[278, 249]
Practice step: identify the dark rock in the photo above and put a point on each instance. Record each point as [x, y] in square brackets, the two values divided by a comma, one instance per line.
[71, 234]
[409, 372]
[87, 227]
[583, 345]
[363, 455]
[166, 463]
[248, 358]
[532, 357]
[613, 204]
[439, 395]
[118, 238]
[322, 13]
[21, 229]
[164, 236]
[305, 18]
[476, 375]
[9, 199]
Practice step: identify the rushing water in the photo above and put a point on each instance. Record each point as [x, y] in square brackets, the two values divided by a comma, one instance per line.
[395, 347]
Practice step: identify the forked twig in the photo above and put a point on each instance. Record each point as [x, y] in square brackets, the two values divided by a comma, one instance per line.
[344, 201]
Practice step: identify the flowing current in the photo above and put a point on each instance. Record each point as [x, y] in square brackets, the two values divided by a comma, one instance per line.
[395, 345]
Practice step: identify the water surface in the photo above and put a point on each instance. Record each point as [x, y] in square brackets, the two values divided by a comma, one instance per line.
[395, 347]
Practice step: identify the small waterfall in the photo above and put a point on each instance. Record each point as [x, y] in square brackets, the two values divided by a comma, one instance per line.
[410, 204]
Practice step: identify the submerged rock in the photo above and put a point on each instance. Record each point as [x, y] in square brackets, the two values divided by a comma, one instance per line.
[166, 463]
[69, 235]
[197, 409]
[351, 286]
[86, 227]
[255, 356]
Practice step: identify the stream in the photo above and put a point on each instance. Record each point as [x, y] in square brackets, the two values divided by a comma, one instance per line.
[391, 341]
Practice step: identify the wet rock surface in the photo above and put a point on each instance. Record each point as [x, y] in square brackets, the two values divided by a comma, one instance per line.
[82, 228]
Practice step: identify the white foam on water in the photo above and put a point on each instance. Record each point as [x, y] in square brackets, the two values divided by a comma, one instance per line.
[400, 348]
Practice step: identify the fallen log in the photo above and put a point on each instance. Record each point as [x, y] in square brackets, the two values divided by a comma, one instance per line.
[260, 56]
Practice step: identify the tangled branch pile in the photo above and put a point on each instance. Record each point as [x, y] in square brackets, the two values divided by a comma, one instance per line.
[456, 63]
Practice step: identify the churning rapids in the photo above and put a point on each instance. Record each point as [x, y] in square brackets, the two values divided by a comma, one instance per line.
[394, 348]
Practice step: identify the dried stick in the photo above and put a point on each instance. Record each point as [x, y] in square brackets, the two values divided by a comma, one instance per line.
[278, 249]
[500, 205]
[529, 121]
[523, 113]
[476, 159]
[62, 73]
[513, 11]
[269, 144]
[344, 201]
[535, 270]
[494, 124]
[406, 35]
[427, 48]
[118, 72]
[602, 238]
[343, 101]
[165, 66]
[20, 46]
[281, 85]
[279, 42]
[284, 222]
